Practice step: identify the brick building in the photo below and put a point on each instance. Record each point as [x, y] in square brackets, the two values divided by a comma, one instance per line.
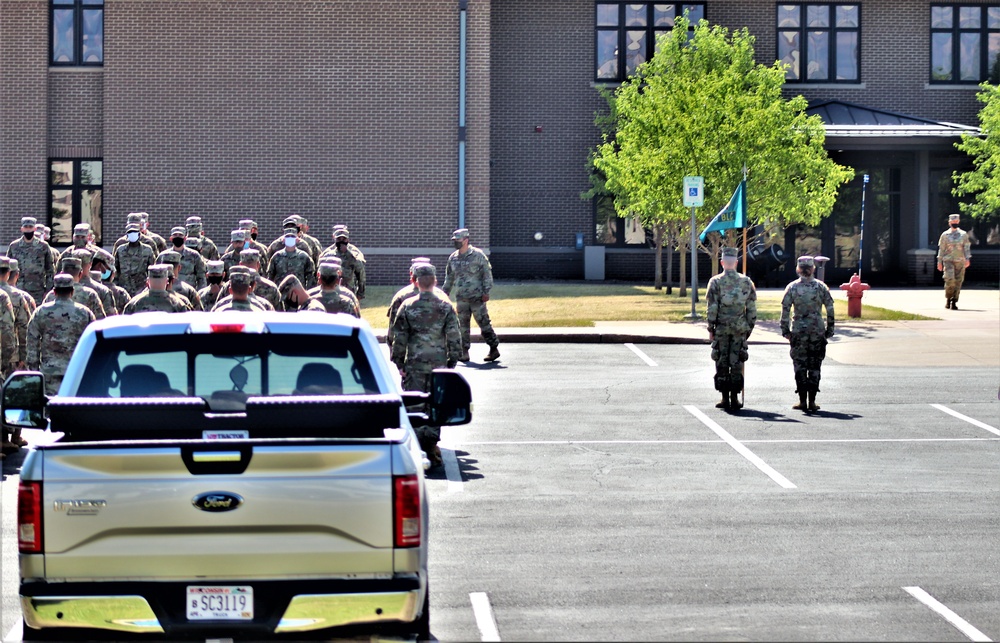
[406, 118]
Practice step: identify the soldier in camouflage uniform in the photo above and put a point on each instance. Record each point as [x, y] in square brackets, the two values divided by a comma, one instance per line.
[240, 284]
[192, 271]
[156, 297]
[135, 219]
[292, 261]
[226, 296]
[209, 295]
[15, 274]
[470, 275]
[264, 288]
[161, 243]
[330, 295]
[81, 294]
[83, 237]
[294, 297]
[405, 293]
[237, 243]
[132, 260]
[9, 347]
[954, 255]
[86, 257]
[35, 258]
[53, 332]
[732, 314]
[317, 247]
[250, 226]
[175, 284]
[104, 263]
[354, 278]
[293, 222]
[205, 246]
[46, 233]
[805, 331]
[427, 336]
[21, 308]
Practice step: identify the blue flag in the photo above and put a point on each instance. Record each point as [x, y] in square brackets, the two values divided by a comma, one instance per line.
[734, 215]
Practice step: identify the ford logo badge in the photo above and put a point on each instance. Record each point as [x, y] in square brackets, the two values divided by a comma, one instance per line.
[217, 501]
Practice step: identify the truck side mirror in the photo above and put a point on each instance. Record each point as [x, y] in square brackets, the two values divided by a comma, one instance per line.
[24, 400]
[451, 398]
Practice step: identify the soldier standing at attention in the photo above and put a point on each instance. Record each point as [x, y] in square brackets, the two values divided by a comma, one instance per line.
[73, 266]
[86, 257]
[53, 332]
[732, 313]
[205, 246]
[9, 348]
[132, 260]
[330, 296]
[156, 297]
[805, 331]
[354, 277]
[226, 295]
[160, 242]
[953, 257]
[209, 295]
[263, 287]
[35, 258]
[15, 273]
[240, 283]
[470, 275]
[292, 261]
[250, 226]
[45, 232]
[192, 263]
[174, 282]
[104, 263]
[426, 336]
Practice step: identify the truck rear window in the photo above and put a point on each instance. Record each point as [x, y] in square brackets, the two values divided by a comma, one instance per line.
[224, 369]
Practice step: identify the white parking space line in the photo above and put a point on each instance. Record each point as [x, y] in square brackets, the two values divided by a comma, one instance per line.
[484, 616]
[15, 633]
[742, 450]
[972, 421]
[960, 623]
[452, 470]
[644, 357]
[760, 441]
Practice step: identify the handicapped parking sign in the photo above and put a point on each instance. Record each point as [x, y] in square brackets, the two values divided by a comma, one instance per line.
[694, 191]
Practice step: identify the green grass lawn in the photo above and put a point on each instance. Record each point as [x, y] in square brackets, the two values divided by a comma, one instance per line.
[539, 305]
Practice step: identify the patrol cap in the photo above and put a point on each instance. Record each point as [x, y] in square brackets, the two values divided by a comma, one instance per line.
[341, 232]
[251, 255]
[424, 270]
[28, 222]
[4, 262]
[461, 233]
[105, 256]
[302, 220]
[731, 253]
[291, 233]
[215, 268]
[159, 271]
[62, 280]
[330, 269]
[81, 230]
[169, 256]
[132, 227]
[134, 217]
[238, 268]
[178, 231]
[287, 284]
[238, 235]
[246, 224]
[240, 278]
[193, 222]
[806, 262]
[291, 220]
[416, 260]
[954, 217]
[71, 261]
[14, 267]
[191, 242]
[85, 255]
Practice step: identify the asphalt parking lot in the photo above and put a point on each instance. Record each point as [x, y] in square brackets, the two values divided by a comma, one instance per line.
[599, 495]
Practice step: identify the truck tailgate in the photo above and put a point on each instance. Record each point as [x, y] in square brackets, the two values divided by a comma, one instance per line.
[130, 512]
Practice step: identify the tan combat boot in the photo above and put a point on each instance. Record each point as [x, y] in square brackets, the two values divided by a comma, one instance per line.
[493, 355]
[812, 401]
[465, 356]
[802, 405]
[734, 403]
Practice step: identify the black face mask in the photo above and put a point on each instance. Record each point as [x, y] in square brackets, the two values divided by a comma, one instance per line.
[290, 304]
[458, 245]
[341, 245]
[214, 279]
[806, 272]
[79, 243]
[253, 235]
[177, 241]
[28, 235]
[953, 225]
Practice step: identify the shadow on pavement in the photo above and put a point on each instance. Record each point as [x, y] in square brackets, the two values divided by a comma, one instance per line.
[468, 466]
[835, 416]
[485, 366]
[765, 416]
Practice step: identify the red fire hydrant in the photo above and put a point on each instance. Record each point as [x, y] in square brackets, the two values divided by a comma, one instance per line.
[855, 290]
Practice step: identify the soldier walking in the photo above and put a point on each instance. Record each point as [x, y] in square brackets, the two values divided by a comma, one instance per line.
[426, 336]
[354, 277]
[35, 259]
[330, 295]
[240, 285]
[953, 257]
[292, 261]
[156, 297]
[53, 332]
[470, 275]
[802, 325]
[192, 270]
[405, 293]
[132, 260]
[732, 314]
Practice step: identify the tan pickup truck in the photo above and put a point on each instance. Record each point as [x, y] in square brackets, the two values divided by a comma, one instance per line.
[217, 475]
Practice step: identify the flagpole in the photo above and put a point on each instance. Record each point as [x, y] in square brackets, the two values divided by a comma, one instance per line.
[861, 237]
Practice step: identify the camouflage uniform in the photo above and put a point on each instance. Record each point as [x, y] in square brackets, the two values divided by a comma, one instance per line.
[208, 249]
[470, 276]
[232, 304]
[104, 293]
[954, 249]
[53, 332]
[397, 300]
[192, 267]
[296, 263]
[333, 301]
[9, 347]
[209, 298]
[81, 294]
[156, 300]
[732, 314]
[354, 277]
[806, 331]
[427, 336]
[188, 292]
[22, 311]
[267, 290]
[131, 264]
[37, 267]
[253, 301]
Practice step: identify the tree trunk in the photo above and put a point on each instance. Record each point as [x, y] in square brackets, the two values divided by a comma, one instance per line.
[658, 272]
[670, 268]
[683, 275]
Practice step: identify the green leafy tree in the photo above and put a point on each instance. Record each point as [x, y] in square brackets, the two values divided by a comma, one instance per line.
[701, 106]
[983, 180]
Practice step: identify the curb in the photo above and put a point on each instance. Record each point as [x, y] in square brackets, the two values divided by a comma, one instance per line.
[596, 338]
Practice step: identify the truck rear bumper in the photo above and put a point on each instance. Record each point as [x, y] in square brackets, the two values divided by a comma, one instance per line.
[279, 606]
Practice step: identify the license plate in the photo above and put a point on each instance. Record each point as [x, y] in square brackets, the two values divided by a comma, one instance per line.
[214, 603]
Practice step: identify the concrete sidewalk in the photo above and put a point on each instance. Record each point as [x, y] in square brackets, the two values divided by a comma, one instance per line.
[969, 336]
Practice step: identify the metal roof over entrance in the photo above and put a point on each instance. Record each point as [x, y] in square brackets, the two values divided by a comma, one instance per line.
[850, 126]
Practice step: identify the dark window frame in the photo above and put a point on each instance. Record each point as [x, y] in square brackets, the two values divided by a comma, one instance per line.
[956, 30]
[620, 222]
[621, 29]
[78, 7]
[803, 31]
[76, 188]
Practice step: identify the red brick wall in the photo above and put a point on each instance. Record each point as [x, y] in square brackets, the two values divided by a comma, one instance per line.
[76, 110]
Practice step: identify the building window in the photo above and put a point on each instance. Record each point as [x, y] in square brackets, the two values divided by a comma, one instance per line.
[626, 33]
[965, 42]
[614, 230]
[77, 32]
[820, 43]
[74, 197]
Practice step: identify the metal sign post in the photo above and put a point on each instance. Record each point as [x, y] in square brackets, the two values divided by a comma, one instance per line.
[694, 197]
[861, 237]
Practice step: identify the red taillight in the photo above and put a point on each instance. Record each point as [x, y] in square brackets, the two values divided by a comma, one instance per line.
[228, 328]
[406, 509]
[29, 517]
